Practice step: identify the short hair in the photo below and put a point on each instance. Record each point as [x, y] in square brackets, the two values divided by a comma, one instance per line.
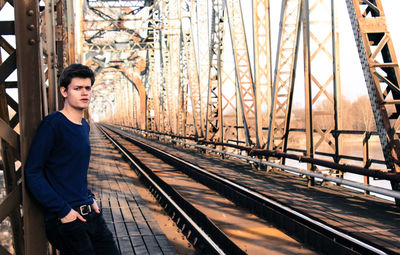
[75, 70]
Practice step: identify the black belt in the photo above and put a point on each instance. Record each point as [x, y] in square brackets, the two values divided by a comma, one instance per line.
[83, 209]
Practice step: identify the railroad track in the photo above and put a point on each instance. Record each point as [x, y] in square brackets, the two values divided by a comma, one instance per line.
[207, 236]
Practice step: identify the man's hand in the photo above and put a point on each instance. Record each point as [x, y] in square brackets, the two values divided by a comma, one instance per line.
[71, 216]
[95, 206]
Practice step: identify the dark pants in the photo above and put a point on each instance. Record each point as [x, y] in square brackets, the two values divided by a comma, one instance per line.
[90, 238]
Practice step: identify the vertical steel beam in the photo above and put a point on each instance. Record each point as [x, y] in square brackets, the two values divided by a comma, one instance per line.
[214, 123]
[203, 52]
[381, 73]
[284, 77]
[8, 153]
[262, 65]
[307, 86]
[174, 72]
[70, 32]
[183, 89]
[155, 68]
[51, 55]
[321, 85]
[193, 76]
[337, 89]
[30, 114]
[244, 73]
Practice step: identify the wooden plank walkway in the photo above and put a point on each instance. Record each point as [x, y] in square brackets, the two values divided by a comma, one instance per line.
[367, 217]
[124, 210]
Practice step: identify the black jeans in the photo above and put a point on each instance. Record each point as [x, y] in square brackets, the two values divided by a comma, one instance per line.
[89, 238]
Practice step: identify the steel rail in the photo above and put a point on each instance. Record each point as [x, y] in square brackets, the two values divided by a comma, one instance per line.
[310, 230]
[367, 187]
[374, 173]
[198, 229]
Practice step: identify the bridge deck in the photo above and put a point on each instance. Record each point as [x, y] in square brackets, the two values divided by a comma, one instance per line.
[366, 217]
[126, 214]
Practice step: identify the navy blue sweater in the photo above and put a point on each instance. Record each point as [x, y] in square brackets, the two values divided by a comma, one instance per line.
[57, 165]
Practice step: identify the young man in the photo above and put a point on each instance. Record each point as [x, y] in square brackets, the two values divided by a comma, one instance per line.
[56, 172]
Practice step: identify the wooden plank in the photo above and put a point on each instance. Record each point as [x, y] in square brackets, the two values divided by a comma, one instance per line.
[126, 207]
[155, 228]
[116, 212]
[142, 225]
[132, 228]
[127, 214]
[120, 229]
[138, 245]
[152, 245]
[125, 245]
[107, 214]
[165, 245]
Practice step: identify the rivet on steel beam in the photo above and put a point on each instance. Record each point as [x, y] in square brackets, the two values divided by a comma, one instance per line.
[30, 12]
[31, 27]
[32, 41]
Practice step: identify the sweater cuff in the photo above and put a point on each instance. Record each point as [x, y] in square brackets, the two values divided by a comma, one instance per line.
[64, 212]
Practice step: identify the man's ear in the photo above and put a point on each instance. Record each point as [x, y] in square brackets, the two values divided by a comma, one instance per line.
[63, 91]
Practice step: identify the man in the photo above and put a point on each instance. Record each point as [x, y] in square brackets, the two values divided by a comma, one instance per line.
[56, 172]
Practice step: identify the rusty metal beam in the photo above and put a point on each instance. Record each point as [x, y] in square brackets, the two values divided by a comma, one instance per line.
[8, 66]
[7, 28]
[30, 111]
[381, 73]
[8, 157]
[10, 203]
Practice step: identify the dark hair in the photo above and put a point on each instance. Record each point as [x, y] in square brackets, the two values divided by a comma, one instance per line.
[75, 70]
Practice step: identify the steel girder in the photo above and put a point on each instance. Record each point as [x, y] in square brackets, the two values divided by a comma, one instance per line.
[244, 74]
[30, 114]
[157, 77]
[381, 73]
[165, 56]
[183, 88]
[38, 61]
[214, 121]
[173, 86]
[284, 77]
[193, 76]
[262, 66]
[203, 55]
[321, 34]
[9, 139]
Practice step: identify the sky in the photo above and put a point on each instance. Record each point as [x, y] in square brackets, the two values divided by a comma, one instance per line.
[352, 80]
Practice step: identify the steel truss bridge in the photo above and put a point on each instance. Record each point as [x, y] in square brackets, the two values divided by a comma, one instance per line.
[186, 69]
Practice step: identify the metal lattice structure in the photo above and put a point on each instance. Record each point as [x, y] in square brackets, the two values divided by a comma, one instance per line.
[381, 72]
[188, 68]
[223, 91]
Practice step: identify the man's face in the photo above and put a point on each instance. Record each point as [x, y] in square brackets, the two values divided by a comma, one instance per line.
[78, 93]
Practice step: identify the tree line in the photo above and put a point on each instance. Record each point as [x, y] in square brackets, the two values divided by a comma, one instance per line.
[356, 115]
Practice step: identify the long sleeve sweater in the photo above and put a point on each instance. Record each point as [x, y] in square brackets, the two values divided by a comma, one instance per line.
[57, 165]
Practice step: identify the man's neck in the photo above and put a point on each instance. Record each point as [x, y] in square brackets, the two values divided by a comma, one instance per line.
[74, 115]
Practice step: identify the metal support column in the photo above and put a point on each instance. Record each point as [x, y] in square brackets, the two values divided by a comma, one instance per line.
[381, 73]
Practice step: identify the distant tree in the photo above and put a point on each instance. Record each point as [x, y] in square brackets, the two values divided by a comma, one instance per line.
[355, 115]
[297, 118]
[362, 116]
